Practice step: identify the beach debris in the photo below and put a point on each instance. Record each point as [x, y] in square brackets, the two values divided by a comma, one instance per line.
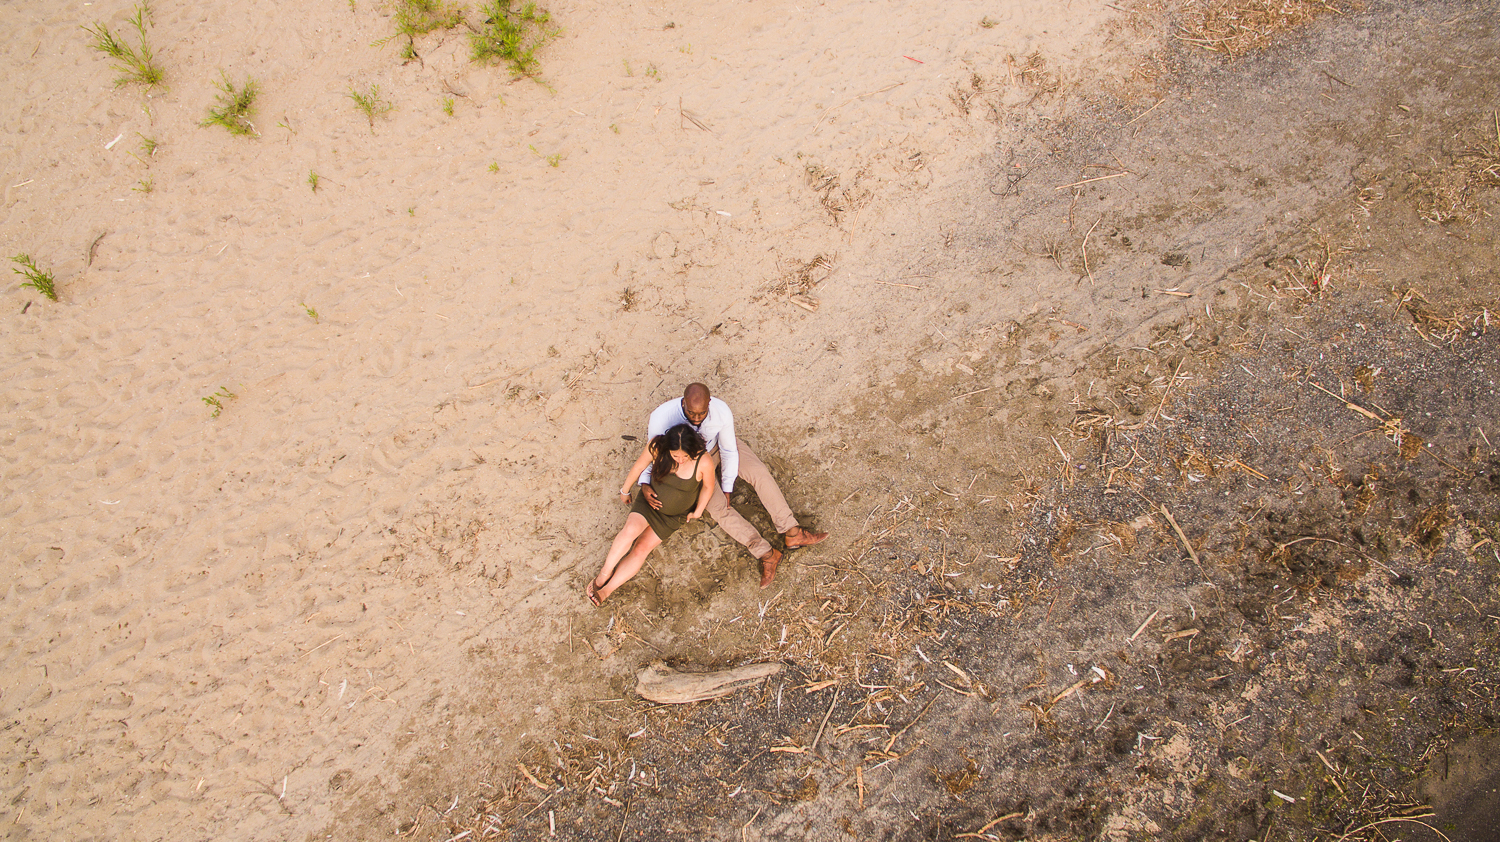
[808, 304]
[660, 683]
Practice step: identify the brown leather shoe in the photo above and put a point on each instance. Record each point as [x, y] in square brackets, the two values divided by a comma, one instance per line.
[803, 538]
[768, 567]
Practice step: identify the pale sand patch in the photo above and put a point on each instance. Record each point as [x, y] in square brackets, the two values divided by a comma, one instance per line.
[209, 619]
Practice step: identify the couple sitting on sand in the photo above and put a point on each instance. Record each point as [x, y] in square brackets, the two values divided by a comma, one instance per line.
[688, 467]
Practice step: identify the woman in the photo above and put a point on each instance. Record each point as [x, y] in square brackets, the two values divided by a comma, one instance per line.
[683, 481]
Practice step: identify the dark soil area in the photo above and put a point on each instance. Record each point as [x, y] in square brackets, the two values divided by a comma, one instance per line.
[1334, 633]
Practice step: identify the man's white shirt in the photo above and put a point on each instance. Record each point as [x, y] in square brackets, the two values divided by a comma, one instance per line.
[717, 430]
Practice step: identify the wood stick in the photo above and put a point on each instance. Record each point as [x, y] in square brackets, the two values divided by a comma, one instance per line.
[1071, 690]
[814, 746]
[897, 736]
[746, 827]
[1168, 392]
[321, 645]
[1181, 537]
[854, 99]
[625, 818]
[1089, 180]
[1361, 410]
[1085, 247]
[1142, 627]
[532, 778]
[1147, 111]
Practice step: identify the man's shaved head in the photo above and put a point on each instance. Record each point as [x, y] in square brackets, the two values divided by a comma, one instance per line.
[695, 402]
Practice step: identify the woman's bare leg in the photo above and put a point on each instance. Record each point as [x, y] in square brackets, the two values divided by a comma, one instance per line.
[624, 540]
[630, 565]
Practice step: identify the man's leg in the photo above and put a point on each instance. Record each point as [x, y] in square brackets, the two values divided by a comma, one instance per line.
[734, 523]
[754, 471]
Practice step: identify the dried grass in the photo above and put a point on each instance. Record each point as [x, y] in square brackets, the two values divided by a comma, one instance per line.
[1449, 194]
[838, 194]
[800, 278]
[1238, 27]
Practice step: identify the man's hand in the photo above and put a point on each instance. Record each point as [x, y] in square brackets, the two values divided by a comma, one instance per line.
[651, 497]
[729, 496]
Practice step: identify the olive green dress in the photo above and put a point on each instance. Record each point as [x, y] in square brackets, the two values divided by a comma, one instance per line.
[678, 497]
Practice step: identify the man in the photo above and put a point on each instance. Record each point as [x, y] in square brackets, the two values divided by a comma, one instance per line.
[713, 420]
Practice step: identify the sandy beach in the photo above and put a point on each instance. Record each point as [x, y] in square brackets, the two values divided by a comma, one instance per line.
[349, 586]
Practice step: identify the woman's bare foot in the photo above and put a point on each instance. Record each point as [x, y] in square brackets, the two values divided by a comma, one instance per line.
[593, 591]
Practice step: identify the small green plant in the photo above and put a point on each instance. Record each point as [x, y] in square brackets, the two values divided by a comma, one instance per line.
[512, 35]
[988, 23]
[38, 280]
[448, 106]
[419, 17]
[370, 104]
[614, 127]
[313, 314]
[235, 105]
[312, 180]
[148, 145]
[145, 185]
[686, 48]
[629, 71]
[653, 72]
[216, 400]
[135, 64]
[411, 211]
[494, 166]
[552, 160]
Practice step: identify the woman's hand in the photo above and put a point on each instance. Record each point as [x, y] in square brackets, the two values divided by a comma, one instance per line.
[694, 515]
[624, 496]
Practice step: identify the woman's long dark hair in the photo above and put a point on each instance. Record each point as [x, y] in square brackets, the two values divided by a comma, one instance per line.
[681, 437]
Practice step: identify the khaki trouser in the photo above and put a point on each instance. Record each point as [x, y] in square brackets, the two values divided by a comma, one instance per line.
[753, 471]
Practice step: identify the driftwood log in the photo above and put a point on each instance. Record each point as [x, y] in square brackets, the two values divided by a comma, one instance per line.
[660, 683]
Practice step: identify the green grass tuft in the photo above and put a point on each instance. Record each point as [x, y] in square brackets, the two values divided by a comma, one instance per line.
[512, 35]
[370, 104]
[235, 105]
[216, 400]
[38, 280]
[137, 65]
[312, 180]
[419, 17]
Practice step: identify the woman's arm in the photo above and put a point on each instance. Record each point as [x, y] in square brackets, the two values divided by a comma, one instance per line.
[635, 472]
[705, 488]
